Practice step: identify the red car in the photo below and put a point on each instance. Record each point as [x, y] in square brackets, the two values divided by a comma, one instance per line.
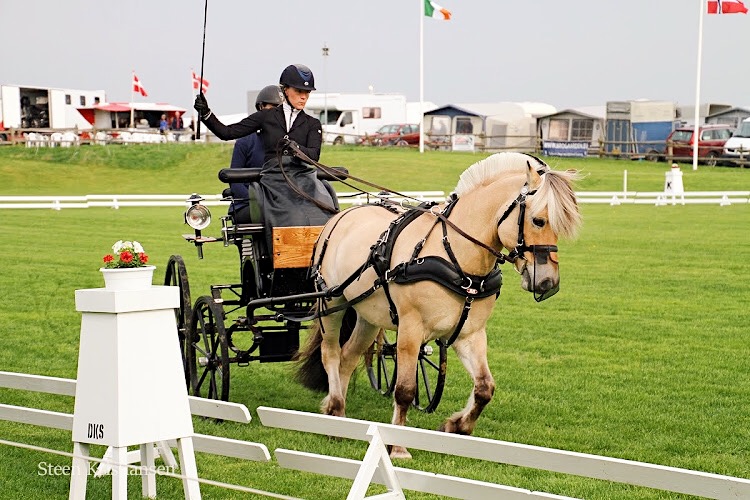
[710, 145]
[397, 134]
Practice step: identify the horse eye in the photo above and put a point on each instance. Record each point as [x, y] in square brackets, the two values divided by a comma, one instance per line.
[538, 221]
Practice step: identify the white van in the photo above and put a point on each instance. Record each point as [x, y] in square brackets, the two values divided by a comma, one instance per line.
[738, 146]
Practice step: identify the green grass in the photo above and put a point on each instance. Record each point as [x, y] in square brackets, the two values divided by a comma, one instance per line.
[642, 355]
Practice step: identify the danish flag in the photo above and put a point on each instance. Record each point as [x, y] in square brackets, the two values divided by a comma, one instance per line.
[198, 82]
[726, 7]
[137, 87]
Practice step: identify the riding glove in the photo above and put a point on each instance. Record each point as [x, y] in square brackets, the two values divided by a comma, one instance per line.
[201, 106]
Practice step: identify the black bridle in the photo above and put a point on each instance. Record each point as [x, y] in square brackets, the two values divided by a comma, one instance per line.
[541, 252]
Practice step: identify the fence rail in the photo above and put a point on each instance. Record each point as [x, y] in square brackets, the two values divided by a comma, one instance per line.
[178, 200]
[117, 201]
[376, 466]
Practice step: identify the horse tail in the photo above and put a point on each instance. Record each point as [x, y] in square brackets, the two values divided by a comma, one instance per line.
[310, 371]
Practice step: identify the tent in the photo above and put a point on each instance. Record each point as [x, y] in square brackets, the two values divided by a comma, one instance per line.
[573, 131]
[485, 126]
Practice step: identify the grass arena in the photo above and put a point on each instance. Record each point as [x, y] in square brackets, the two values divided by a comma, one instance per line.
[641, 356]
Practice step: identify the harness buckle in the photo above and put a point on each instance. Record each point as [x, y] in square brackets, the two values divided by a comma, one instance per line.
[468, 289]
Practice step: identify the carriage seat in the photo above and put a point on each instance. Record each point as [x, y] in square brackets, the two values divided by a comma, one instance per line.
[252, 175]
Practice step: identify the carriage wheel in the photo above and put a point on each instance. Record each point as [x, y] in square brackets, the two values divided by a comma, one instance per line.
[208, 351]
[430, 377]
[176, 275]
[382, 355]
[381, 365]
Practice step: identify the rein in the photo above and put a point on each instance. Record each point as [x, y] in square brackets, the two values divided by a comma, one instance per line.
[338, 177]
[293, 186]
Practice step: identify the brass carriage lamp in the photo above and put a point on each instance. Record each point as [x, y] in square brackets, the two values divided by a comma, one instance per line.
[198, 217]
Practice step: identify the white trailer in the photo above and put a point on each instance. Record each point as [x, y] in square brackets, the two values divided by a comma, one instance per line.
[45, 107]
[352, 116]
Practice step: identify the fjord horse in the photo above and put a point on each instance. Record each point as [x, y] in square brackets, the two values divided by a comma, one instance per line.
[378, 260]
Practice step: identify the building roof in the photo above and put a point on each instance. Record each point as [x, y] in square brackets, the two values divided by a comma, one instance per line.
[598, 112]
[504, 109]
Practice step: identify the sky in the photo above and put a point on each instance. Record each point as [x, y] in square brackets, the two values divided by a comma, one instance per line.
[565, 53]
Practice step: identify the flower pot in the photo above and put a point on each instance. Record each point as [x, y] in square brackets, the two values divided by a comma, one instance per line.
[128, 278]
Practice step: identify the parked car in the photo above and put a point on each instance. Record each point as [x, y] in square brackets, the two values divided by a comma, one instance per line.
[737, 149]
[710, 144]
[396, 134]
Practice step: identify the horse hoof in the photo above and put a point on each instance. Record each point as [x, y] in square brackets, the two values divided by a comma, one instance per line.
[400, 452]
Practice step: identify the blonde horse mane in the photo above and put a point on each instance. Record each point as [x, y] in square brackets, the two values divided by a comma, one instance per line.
[555, 193]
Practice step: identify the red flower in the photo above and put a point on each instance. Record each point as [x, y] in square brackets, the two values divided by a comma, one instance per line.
[143, 257]
[126, 257]
[108, 258]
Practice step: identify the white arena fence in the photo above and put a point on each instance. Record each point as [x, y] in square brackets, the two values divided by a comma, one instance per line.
[178, 200]
[376, 466]
[116, 201]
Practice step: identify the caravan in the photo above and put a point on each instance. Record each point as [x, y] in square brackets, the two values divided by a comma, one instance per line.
[347, 118]
[44, 107]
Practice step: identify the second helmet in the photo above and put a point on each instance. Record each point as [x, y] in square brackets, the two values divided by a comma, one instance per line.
[270, 94]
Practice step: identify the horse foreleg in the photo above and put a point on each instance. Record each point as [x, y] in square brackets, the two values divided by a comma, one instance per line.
[407, 351]
[472, 352]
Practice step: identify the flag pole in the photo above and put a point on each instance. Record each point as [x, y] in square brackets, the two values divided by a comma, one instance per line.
[421, 75]
[696, 126]
[132, 97]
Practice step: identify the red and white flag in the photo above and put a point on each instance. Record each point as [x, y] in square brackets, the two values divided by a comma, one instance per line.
[726, 7]
[198, 82]
[137, 87]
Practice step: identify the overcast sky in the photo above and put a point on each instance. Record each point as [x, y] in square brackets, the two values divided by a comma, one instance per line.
[564, 53]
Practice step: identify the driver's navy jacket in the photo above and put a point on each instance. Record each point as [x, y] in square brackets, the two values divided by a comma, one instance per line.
[247, 153]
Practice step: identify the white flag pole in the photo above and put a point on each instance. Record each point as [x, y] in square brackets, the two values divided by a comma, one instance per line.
[194, 116]
[421, 75]
[132, 98]
[696, 126]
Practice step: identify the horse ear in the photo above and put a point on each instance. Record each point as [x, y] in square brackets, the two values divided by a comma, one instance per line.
[533, 179]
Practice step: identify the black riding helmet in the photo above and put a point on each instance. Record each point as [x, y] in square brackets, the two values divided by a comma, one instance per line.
[270, 94]
[297, 76]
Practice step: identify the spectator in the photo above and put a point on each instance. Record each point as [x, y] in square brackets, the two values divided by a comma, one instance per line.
[177, 123]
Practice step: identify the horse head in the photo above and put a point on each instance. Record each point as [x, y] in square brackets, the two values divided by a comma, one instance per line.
[543, 210]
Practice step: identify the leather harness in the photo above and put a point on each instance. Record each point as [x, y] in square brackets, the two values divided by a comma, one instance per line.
[433, 268]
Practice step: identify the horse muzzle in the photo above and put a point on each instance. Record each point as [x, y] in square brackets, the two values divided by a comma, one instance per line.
[543, 279]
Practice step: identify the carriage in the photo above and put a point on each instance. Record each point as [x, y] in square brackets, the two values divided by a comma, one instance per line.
[262, 315]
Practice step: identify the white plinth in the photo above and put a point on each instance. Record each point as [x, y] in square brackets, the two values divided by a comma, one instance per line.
[130, 387]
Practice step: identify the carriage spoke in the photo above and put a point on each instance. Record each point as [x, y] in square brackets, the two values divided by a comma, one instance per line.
[209, 351]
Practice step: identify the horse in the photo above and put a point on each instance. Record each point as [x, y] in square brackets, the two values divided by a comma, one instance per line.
[432, 274]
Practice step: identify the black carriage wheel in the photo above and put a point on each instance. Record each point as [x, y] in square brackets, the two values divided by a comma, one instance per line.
[176, 275]
[430, 377]
[208, 351]
[381, 364]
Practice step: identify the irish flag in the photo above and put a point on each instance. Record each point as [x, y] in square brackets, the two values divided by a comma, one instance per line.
[726, 7]
[431, 9]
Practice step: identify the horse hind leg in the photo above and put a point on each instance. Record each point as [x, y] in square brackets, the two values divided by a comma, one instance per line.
[339, 331]
[473, 355]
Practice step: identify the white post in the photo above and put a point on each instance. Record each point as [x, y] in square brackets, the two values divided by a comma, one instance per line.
[696, 129]
[128, 394]
[421, 76]
[625, 182]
